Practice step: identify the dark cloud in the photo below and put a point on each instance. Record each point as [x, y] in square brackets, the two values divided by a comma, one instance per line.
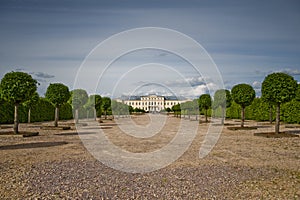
[162, 54]
[42, 75]
[41, 80]
[20, 69]
[38, 75]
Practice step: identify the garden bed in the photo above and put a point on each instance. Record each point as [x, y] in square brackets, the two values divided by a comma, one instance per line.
[55, 128]
[273, 135]
[235, 128]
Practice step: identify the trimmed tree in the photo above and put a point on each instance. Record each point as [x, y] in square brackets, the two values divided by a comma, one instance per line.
[106, 104]
[93, 103]
[298, 93]
[278, 88]
[98, 102]
[177, 110]
[30, 103]
[189, 108]
[243, 94]
[1, 105]
[89, 106]
[57, 94]
[17, 87]
[79, 98]
[223, 99]
[118, 109]
[205, 103]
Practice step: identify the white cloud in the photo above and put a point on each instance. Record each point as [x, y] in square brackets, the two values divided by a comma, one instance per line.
[194, 92]
[193, 81]
[290, 71]
[256, 84]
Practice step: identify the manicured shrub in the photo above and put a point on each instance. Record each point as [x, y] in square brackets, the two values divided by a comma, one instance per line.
[278, 88]
[243, 94]
[17, 87]
[290, 112]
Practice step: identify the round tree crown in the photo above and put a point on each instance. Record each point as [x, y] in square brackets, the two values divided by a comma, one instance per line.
[243, 94]
[17, 87]
[279, 88]
[57, 94]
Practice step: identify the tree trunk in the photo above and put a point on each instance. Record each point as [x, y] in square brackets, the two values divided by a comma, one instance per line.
[56, 116]
[243, 116]
[95, 114]
[206, 116]
[277, 119]
[87, 114]
[105, 115]
[76, 116]
[16, 119]
[29, 116]
[223, 115]
[270, 115]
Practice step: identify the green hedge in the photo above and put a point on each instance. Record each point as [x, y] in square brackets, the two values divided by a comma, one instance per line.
[259, 111]
[6, 113]
[290, 112]
[234, 111]
[43, 110]
[65, 112]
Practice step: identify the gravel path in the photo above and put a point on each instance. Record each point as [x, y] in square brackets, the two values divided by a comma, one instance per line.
[55, 165]
[81, 179]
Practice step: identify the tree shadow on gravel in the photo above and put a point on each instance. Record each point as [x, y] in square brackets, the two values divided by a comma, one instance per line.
[55, 128]
[32, 145]
[66, 134]
[73, 133]
[285, 134]
[236, 128]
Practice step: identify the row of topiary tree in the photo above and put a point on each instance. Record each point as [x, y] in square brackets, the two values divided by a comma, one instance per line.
[18, 92]
[19, 89]
[277, 89]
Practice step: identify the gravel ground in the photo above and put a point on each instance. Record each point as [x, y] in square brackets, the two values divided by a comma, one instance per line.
[56, 165]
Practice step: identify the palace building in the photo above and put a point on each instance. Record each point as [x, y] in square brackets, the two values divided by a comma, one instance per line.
[152, 103]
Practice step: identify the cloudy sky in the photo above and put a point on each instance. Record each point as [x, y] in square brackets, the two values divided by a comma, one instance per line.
[59, 41]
